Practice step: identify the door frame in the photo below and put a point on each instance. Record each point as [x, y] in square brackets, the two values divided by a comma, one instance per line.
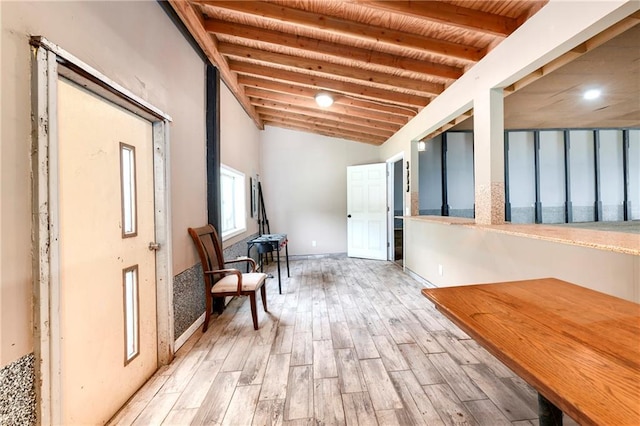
[50, 62]
[390, 204]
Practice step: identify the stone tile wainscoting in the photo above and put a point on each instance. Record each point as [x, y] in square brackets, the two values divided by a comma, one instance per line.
[17, 392]
[188, 298]
[240, 249]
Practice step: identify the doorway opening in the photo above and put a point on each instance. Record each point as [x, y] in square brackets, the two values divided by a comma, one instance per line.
[398, 208]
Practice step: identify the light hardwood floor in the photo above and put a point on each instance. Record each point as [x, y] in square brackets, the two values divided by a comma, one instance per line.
[349, 341]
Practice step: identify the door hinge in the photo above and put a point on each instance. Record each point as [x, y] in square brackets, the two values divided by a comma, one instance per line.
[153, 246]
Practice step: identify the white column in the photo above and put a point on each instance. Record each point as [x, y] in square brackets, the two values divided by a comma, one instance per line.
[488, 161]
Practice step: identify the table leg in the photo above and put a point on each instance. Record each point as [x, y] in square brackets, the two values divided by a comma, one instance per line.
[286, 251]
[279, 283]
[549, 414]
[248, 255]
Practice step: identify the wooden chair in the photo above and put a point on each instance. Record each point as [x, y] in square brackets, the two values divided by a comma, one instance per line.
[221, 282]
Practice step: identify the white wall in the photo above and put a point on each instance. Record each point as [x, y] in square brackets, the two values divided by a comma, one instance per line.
[581, 159]
[470, 255]
[134, 44]
[304, 180]
[522, 189]
[552, 184]
[634, 173]
[460, 180]
[240, 149]
[611, 175]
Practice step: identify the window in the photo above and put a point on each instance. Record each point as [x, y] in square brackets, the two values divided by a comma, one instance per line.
[131, 308]
[128, 189]
[232, 193]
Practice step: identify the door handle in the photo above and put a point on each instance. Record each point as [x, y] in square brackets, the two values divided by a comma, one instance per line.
[348, 215]
[153, 246]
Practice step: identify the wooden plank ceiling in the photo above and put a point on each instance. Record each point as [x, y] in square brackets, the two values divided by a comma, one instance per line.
[381, 61]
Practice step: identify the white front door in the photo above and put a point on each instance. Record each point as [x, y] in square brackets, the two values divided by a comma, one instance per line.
[367, 211]
[108, 328]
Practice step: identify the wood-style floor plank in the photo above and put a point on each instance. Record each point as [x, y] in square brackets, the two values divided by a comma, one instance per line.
[349, 341]
[381, 390]
[274, 385]
[328, 409]
[242, 406]
[416, 403]
[350, 375]
[269, 413]
[217, 401]
[358, 409]
[324, 362]
[299, 402]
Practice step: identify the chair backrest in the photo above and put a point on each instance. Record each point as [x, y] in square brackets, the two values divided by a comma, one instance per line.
[209, 248]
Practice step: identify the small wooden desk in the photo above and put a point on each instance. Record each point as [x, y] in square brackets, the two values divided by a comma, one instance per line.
[580, 349]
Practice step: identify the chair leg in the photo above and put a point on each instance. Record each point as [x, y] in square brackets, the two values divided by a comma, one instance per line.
[254, 310]
[207, 315]
[263, 293]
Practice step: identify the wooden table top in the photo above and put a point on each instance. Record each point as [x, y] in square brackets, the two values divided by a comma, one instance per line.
[577, 347]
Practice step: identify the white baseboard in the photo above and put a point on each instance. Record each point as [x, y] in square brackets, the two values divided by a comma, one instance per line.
[189, 332]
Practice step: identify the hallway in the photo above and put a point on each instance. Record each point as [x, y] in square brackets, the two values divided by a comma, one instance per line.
[350, 341]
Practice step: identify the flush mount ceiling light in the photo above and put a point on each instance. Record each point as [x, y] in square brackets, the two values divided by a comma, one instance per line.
[591, 94]
[324, 100]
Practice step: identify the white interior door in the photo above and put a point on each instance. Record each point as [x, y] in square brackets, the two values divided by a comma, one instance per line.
[367, 211]
[108, 328]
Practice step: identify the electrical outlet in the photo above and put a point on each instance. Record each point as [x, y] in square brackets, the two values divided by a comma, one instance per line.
[313, 243]
[440, 269]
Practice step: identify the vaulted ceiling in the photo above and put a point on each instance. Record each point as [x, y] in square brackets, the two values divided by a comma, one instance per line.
[381, 61]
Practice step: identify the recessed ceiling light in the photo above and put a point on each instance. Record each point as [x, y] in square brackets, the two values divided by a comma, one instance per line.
[591, 94]
[324, 99]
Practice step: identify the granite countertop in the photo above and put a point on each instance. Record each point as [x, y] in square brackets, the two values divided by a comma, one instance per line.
[620, 242]
[444, 220]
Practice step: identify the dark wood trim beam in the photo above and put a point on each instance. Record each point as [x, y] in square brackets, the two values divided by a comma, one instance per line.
[443, 170]
[193, 21]
[597, 180]
[507, 197]
[536, 175]
[568, 206]
[626, 203]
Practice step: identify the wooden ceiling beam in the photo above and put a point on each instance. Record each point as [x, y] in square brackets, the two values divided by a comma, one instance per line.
[323, 122]
[193, 21]
[449, 14]
[324, 67]
[341, 134]
[315, 112]
[345, 115]
[323, 83]
[322, 47]
[339, 99]
[398, 39]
